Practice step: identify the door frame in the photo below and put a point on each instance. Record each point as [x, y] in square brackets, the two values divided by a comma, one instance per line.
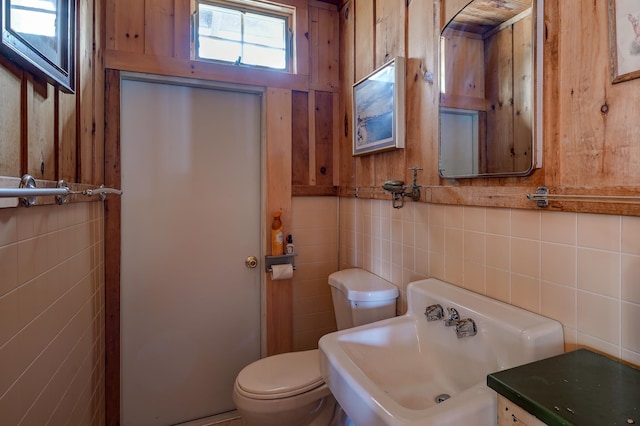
[112, 237]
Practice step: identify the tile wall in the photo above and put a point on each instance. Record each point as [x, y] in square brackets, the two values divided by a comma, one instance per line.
[314, 227]
[580, 269]
[52, 314]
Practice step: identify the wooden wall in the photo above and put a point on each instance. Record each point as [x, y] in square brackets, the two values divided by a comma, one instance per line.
[50, 134]
[589, 123]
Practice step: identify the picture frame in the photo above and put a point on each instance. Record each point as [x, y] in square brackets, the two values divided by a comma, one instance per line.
[624, 39]
[40, 37]
[378, 109]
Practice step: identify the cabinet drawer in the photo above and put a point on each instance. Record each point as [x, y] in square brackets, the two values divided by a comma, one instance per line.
[510, 414]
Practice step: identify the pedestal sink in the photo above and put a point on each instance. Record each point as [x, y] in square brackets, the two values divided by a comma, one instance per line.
[410, 371]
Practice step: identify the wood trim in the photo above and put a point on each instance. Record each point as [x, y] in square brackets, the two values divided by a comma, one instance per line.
[465, 102]
[112, 249]
[311, 137]
[279, 294]
[24, 125]
[176, 67]
[182, 29]
[313, 191]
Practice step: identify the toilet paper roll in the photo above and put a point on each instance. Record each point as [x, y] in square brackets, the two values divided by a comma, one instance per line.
[281, 272]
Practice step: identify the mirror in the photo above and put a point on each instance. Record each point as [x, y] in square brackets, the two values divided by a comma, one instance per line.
[491, 90]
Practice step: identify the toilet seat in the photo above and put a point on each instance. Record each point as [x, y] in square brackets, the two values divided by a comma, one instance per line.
[281, 376]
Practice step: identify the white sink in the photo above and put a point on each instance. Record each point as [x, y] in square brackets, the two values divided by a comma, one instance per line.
[391, 372]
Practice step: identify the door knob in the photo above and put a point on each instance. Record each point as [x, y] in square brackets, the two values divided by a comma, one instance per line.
[251, 262]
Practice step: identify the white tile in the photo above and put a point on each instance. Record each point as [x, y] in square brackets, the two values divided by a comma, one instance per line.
[599, 231]
[599, 272]
[599, 316]
[558, 264]
[525, 224]
[559, 227]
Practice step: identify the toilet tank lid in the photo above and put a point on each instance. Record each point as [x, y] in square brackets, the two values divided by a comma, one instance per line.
[360, 285]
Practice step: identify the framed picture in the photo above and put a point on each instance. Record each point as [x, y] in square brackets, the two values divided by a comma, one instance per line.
[624, 39]
[378, 109]
[39, 35]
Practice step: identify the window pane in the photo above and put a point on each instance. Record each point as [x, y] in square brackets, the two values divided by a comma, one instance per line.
[219, 22]
[264, 56]
[224, 50]
[265, 30]
[34, 17]
[242, 36]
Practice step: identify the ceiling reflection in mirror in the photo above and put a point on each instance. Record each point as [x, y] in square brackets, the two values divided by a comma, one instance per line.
[490, 109]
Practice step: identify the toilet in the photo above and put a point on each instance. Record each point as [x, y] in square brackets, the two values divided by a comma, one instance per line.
[287, 389]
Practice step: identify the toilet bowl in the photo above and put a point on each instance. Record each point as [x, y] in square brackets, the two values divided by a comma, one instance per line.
[284, 389]
[287, 389]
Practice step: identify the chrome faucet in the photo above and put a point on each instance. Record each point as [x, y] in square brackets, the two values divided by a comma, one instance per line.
[434, 312]
[466, 328]
[453, 317]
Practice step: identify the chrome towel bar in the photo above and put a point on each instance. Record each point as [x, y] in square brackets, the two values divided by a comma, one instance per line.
[27, 192]
[542, 198]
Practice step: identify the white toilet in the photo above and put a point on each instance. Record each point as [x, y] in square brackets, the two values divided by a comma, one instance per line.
[287, 389]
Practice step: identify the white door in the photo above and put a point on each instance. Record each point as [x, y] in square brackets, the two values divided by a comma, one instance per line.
[191, 215]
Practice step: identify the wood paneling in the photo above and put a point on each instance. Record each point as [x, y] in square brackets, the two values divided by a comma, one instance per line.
[344, 124]
[126, 61]
[278, 158]
[10, 116]
[324, 58]
[154, 37]
[85, 103]
[464, 87]
[125, 23]
[98, 92]
[362, 53]
[499, 96]
[300, 138]
[112, 249]
[421, 94]
[160, 28]
[588, 121]
[50, 134]
[523, 95]
[390, 21]
[40, 110]
[182, 29]
[67, 137]
[323, 170]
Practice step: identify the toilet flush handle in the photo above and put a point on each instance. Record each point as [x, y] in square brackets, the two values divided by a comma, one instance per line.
[251, 262]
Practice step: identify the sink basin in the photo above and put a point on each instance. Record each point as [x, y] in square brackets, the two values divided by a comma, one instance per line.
[410, 371]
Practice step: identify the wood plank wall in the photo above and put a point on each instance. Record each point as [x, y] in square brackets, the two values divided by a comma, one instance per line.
[589, 123]
[50, 134]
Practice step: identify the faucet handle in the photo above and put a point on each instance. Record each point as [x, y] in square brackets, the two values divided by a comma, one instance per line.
[434, 312]
[453, 317]
[466, 328]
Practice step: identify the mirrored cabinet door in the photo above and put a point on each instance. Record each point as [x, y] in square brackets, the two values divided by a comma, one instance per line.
[490, 90]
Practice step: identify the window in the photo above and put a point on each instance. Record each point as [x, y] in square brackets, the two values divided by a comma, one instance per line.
[247, 33]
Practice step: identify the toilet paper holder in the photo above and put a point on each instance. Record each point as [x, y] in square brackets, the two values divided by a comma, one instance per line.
[284, 259]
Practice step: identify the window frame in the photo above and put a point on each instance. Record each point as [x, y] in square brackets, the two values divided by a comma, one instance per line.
[280, 11]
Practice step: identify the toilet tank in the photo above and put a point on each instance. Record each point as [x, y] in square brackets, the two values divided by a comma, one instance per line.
[360, 297]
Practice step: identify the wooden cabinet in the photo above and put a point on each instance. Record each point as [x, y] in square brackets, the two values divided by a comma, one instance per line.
[509, 414]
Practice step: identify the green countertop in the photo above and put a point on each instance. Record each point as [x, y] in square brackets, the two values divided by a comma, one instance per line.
[579, 388]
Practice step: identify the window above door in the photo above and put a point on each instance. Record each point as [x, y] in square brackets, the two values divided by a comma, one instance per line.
[245, 33]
